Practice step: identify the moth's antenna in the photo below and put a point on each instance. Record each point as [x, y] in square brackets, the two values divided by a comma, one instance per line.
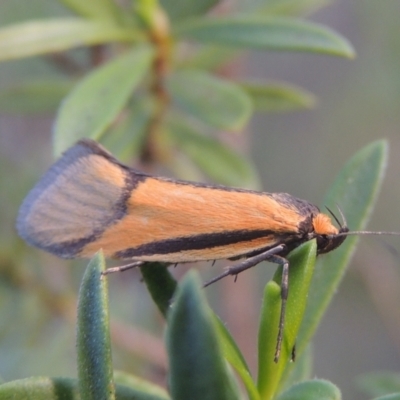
[334, 216]
[341, 224]
[342, 215]
[383, 233]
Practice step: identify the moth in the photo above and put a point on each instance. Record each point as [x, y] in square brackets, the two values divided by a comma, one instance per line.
[89, 201]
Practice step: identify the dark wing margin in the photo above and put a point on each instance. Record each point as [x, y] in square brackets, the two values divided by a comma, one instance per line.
[75, 200]
[195, 242]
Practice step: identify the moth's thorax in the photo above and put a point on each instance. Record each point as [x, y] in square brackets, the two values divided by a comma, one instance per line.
[323, 225]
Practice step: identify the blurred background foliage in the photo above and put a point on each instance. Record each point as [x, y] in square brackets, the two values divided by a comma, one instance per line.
[298, 152]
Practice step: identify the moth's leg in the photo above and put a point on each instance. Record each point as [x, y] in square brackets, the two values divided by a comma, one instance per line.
[284, 296]
[122, 267]
[248, 263]
[269, 255]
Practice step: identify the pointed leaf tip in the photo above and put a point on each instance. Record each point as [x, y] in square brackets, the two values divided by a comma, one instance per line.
[355, 190]
[192, 341]
[269, 33]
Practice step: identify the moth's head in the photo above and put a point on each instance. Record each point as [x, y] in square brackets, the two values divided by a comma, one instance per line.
[328, 236]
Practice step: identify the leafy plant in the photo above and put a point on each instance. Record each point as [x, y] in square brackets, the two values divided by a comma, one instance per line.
[156, 63]
[152, 91]
[198, 342]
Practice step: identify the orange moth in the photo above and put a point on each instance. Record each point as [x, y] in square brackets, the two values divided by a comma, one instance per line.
[89, 201]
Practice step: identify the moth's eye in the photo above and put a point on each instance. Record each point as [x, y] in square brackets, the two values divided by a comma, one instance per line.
[326, 244]
[322, 243]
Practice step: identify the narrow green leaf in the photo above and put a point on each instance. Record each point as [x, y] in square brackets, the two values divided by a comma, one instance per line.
[126, 139]
[355, 191]
[95, 371]
[160, 284]
[197, 367]
[301, 268]
[212, 100]
[96, 101]
[213, 158]
[379, 383]
[139, 384]
[40, 388]
[263, 32]
[316, 389]
[278, 97]
[268, 373]
[235, 358]
[48, 36]
[96, 9]
[183, 9]
[34, 96]
[129, 393]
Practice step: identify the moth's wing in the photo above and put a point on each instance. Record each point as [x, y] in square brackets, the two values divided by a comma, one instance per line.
[176, 221]
[75, 200]
[89, 201]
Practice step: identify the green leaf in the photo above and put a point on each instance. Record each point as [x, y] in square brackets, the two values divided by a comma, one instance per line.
[269, 373]
[355, 191]
[183, 9]
[197, 367]
[54, 35]
[126, 139]
[129, 393]
[160, 284]
[278, 97]
[301, 268]
[263, 32]
[96, 101]
[212, 100]
[379, 383]
[34, 96]
[139, 384]
[96, 9]
[235, 358]
[214, 159]
[316, 389]
[95, 371]
[40, 388]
